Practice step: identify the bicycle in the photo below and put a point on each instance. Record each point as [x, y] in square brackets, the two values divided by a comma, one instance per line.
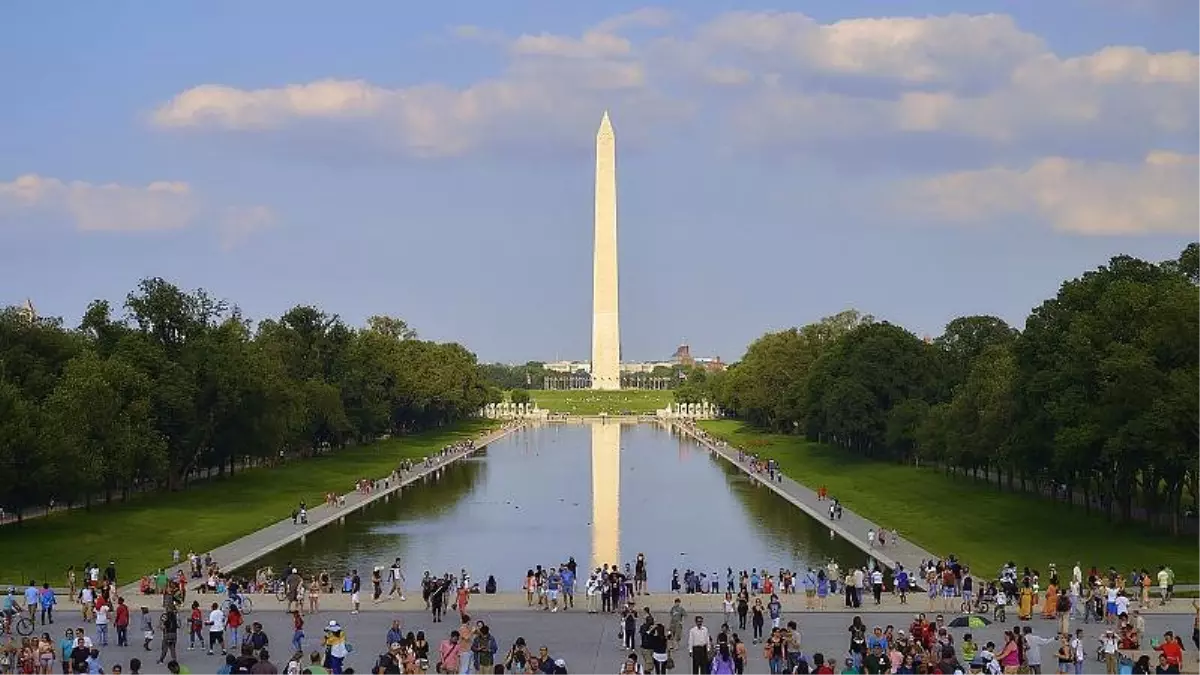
[21, 624]
[980, 606]
[244, 604]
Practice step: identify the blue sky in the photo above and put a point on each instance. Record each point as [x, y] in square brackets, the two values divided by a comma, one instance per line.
[433, 161]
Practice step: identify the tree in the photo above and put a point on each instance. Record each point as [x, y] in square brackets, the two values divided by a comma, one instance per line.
[519, 396]
[855, 386]
[184, 385]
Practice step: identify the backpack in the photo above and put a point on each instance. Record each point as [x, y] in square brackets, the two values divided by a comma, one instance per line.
[1064, 604]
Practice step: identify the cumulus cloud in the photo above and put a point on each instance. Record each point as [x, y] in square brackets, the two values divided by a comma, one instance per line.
[1159, 195]
[554, 87]
[161, 205]
[111, 207]
[979, 76]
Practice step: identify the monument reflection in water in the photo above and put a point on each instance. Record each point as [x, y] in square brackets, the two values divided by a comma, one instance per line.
[606, 493]
[601, 492]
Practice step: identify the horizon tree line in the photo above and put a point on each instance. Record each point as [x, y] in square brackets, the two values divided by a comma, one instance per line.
[1094, 402]
[182, 384]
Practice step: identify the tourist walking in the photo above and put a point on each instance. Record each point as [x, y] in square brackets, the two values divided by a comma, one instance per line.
[170, 628]
[756, 620]
[677, 616]
[336, 648]
[660, 650]
[699, 643]
[216, 630]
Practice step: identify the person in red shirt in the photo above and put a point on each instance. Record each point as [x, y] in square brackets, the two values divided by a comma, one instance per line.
[195, 625]
[121, 621]
[1170, 648]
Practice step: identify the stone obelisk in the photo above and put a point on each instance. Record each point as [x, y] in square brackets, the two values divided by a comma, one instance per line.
[606, 331]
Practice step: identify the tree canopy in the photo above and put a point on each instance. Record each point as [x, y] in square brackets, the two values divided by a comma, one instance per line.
[182, 383]
[1094, 402]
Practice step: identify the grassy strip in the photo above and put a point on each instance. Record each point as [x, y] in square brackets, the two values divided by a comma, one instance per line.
[588, 402]
[141, 534]
[950, 514]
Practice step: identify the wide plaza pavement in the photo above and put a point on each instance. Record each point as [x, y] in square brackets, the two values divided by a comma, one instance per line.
[588, 643]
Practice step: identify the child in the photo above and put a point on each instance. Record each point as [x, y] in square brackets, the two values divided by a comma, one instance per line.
[195, 624]
[850, 668]
[147, 630]
[988, 656]
[969, 648]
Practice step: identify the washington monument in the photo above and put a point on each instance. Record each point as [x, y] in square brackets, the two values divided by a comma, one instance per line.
[606, 330]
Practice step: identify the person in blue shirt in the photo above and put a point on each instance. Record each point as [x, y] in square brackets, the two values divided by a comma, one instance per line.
[31, 599]
[93, 662]
[65, 646]
[553, 584]
[48, 601]
[568, 581]
[10, 606]
[774, 609]
[902, 584]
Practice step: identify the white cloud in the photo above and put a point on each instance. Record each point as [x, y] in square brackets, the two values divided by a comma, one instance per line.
[554, 88]
[778, 82]
[161, 205]
[917, 50]
[1160, 195]
[110, 207]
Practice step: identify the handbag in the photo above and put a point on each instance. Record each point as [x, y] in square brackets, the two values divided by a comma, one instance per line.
[669, 664]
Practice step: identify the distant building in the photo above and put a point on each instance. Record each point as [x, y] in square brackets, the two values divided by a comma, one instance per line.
[681, 357]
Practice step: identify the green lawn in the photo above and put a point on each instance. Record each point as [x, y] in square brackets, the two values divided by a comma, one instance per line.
[588, 402]
[140, 534]
[949, 514]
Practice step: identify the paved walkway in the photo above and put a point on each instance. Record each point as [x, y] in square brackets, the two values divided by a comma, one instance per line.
[587, 642]
[243, 551]
[851, 526]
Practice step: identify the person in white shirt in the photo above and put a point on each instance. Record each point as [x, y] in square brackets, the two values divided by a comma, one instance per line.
[1033, 649]
[102, 625]
[87, 602]
[593, 585]
[1077, 649]
[1122, 604]
[698, 643]
[216, 628]
[1108, 647]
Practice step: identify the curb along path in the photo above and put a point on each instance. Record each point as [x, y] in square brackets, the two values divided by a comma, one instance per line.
[242, 551]
[851, 526]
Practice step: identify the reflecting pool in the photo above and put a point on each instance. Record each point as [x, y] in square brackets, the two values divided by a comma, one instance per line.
[597, 491]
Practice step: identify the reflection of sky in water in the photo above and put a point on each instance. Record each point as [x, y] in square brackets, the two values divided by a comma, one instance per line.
[528, 501]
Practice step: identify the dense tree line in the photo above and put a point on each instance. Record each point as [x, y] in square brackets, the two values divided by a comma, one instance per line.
[183, 384]
[1094, 402]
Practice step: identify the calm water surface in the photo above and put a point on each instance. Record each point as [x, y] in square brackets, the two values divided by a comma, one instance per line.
[601, 492]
